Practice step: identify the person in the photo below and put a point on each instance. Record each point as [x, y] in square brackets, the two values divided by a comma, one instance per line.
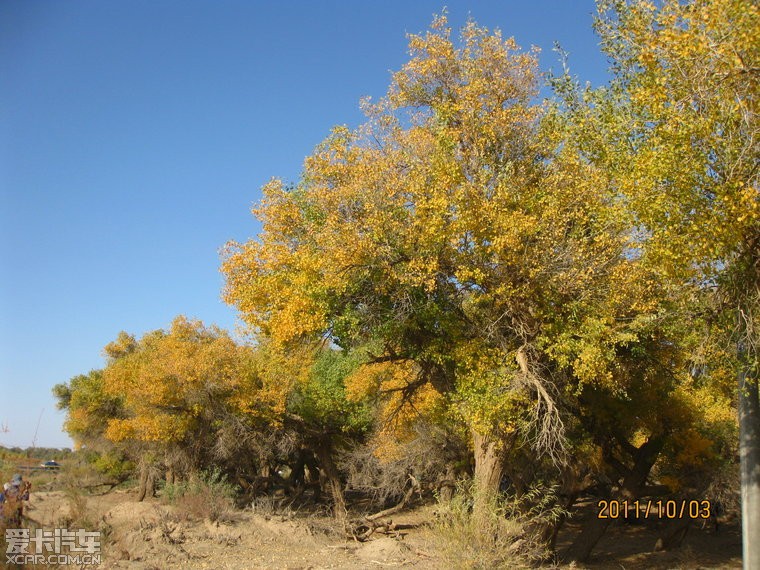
[12, 500]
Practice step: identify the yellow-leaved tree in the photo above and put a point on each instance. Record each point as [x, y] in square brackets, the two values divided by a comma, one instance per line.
[677, 132]
[176, 386]
[453, 230]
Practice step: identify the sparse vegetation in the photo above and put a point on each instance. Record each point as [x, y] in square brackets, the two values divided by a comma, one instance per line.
[508, 534]
[204, 495]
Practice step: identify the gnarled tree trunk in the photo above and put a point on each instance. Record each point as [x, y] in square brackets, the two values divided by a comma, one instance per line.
[633, 481]
[332, 479]
[574, 481]
[447, 484]
[147, 481]
[489, 469]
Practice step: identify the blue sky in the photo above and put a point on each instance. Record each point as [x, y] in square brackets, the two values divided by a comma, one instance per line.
[134, 139]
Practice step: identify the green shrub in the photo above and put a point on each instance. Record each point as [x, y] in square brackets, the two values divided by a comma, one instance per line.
[204, 495]
[114, 465]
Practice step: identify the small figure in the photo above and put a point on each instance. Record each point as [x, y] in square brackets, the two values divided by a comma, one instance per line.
[12, 500]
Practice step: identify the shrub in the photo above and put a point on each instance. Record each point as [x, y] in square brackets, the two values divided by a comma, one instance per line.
[506, 535]
[204, 495]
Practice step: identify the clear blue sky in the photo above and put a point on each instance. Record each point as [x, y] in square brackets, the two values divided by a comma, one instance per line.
[135, 136]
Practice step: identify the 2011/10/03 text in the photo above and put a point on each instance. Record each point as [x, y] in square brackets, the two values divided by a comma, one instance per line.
[672, 509]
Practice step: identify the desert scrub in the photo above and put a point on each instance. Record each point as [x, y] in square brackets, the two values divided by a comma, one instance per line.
[203, 495]
[507, 534]
[78, 515]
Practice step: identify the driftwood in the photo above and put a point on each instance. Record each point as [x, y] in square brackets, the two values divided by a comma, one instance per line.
[362, 530]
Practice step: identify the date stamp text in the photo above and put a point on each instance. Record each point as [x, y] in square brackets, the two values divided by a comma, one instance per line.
[672, 509]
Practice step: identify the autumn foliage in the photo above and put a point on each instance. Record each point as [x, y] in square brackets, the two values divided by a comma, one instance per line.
[551, 287]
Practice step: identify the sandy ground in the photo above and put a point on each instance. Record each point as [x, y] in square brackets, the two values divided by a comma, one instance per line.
[153, 535]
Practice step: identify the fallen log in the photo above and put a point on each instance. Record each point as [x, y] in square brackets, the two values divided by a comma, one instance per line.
[363, 529]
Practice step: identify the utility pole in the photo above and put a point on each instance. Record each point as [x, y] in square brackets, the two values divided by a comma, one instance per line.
[749, 460]
[37, 429]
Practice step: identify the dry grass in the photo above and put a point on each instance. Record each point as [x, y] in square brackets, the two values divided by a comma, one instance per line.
[78, 516]
[504, 536]
[204, 495]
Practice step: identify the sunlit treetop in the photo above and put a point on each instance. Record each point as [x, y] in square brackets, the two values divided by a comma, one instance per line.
[168, 379]
[455, 216]
[677, 129]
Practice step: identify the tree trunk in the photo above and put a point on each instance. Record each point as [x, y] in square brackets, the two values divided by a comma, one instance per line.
[150, 487]
[447, 485]
[633, 481]
[673, 535]
[489, 468]
[574, 481]
[298, 471]
[314, 477]
[332, 480]
[147, 481]
[143, 482]
[749, 455]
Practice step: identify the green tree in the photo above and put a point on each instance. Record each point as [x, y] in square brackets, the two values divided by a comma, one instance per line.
[319, 410]
[89, 409]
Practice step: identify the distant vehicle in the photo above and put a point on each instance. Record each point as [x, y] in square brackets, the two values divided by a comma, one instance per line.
[50, 465]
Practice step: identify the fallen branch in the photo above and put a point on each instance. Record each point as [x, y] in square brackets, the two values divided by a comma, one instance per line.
[370, 525]
[395, 508]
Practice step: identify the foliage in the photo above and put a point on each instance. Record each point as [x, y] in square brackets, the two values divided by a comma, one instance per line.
[676, 133]
[113, 464]
[89, 407]
[170, 397]
[170, 380]
[321, 400]
[687, 80]
[452, 233]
